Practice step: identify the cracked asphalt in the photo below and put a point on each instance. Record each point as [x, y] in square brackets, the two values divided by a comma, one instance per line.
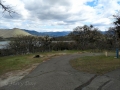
[57, 74]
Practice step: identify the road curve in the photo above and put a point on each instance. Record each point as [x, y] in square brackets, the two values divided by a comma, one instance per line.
[57, 74]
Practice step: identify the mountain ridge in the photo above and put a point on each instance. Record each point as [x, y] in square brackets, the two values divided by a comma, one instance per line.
[52, 34]
[7, 33]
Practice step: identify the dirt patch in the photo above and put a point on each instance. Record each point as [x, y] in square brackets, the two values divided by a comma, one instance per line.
[13, 76]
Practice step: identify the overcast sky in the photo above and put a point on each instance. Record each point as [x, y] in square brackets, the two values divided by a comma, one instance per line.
[59, 15]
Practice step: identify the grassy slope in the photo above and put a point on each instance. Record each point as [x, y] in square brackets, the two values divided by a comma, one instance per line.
[96, 64]
[12, 33]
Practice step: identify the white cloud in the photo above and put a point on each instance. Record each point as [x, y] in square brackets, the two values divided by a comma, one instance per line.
[59, 15]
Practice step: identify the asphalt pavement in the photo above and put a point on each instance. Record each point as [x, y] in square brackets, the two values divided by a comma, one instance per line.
[57, 74]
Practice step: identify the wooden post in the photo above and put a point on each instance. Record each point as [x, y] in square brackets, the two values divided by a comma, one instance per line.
[106, 53]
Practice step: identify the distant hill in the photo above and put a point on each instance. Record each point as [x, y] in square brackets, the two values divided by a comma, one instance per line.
[7, 33]
[52, 34]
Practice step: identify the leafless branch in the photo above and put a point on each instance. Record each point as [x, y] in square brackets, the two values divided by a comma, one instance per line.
[6, 8]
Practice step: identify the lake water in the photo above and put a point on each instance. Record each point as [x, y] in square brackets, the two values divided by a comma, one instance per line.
[3, 44]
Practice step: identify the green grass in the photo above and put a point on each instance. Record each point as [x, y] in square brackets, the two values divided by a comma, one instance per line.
[96, 64]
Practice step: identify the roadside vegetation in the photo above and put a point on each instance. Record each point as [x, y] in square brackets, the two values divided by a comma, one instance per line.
[22, 62]
[96, 64]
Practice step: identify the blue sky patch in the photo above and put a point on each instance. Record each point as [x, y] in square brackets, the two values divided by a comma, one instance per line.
[118, 2]
[92, 4]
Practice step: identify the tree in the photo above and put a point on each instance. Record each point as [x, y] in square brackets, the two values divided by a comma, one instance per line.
[117, 25]
[79, 34]
[117, 28]
[110, 38]
[86, 37]
[6, 8]
[47, 40]
[117, 31]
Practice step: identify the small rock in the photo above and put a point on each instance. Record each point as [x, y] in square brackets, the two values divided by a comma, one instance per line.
[36, 56]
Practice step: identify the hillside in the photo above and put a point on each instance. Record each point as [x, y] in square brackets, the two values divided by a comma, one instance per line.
[7, 33]
[52, 34]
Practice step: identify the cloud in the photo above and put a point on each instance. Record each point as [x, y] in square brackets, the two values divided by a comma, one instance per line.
[59, 15]
[48, 9]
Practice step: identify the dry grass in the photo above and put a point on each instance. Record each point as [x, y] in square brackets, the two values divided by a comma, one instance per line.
[12, 33]
[19, 62]
[96, 64]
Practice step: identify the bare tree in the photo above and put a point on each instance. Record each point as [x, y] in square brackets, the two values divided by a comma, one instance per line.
[6, 8]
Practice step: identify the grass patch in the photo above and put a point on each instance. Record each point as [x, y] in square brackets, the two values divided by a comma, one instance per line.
[10, 63]
[96, 64]
[20, 62]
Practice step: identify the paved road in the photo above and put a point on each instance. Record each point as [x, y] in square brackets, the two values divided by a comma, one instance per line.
[57, 74]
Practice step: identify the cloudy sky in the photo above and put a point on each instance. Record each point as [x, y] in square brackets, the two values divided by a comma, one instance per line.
[59, 15]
